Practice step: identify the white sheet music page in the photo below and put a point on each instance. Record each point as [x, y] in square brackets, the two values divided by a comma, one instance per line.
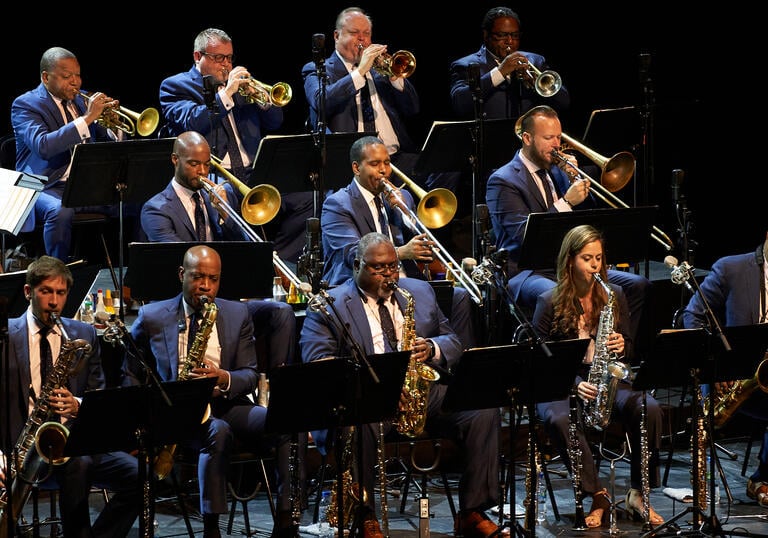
[15, 201]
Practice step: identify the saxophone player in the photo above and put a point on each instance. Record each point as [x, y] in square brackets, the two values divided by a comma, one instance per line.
[735, 289]
[162, 333]
[572, 310]
[33, 338]
[364, 302]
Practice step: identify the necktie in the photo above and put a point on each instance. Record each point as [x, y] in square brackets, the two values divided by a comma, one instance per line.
[382, 215]
[46, 357]
[387, 326]
[67, 113]
[548, 186]
[235, 159]
[199, 218]
[369, 124]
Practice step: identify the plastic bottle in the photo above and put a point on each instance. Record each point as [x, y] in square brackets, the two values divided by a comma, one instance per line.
[293, 295]
[541, 499]
[100, 301]
[278, 291]
[708, 480]
[324, 528]
[109, 304]
[86, 314]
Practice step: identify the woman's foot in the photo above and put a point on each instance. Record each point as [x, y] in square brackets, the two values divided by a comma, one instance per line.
[601, 504]
[635, 508]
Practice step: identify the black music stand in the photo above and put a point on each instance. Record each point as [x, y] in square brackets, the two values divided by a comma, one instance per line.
[106, 173]
[515, 373]
[328, 394]
[138, 417]
[626, 233]
[247, 267]
[18, 193]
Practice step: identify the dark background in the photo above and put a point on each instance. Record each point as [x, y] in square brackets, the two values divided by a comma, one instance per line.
[698, 123]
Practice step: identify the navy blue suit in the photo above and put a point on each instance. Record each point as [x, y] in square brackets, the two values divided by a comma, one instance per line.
[346, 218]
[156, 332]
[733, 290]
[475, 431]
[44, 145]
[116, 471]
[512, 195]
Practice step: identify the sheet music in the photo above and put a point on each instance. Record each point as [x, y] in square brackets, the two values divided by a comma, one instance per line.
[15, 201]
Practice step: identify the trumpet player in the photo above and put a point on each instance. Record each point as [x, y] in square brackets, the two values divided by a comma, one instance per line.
[357, 97]
[49, 121]
[35, 348]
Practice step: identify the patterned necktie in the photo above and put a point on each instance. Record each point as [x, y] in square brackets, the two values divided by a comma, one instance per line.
[235, 159]
[548, 186]
[199, 218]
[67, 113]
[387, 326]
[369, 124]
[46, 356]
[382, 215]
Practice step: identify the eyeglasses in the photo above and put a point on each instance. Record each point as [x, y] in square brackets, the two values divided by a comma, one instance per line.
[501, 36]
[382, 268]
[219, 58]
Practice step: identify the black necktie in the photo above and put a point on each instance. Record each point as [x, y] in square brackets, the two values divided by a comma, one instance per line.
[67, 113]
[387, 326]
[547, 186]
[235, 159]
[382, 216]
[369, 125]
[46, 357]
[199, 218]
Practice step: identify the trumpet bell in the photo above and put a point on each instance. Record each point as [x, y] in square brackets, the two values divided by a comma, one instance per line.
[548, 83]
[260, 204]
[281, 94]
[400, 64]
[437, 207]
[146, 122]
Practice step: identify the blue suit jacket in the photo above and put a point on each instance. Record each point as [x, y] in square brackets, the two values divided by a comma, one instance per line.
[340, 105]
[732, 289]
[90, 376]
[508, 99]
[345, 219]
[163, 219]
[319, 338]
[156, 332]
[184, 109]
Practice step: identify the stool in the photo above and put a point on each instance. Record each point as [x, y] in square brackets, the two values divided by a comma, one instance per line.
[236, 487]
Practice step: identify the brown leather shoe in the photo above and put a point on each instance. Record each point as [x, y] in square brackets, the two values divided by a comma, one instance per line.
[371, 528]
[475, 524]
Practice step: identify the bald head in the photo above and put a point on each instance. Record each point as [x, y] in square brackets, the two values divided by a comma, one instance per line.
[191, 159]
[200, 274]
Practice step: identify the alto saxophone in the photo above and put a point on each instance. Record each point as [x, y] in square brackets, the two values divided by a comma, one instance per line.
[194, 359]
[41, 443]
[419, 377]
[606, 370]
[727, 402]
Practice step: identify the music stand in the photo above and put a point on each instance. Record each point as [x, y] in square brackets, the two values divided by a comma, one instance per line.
[625, 230]
[127, 418]
[18, 193]
[328, 394]
[515, 372]
[105, 173]
[247, 266]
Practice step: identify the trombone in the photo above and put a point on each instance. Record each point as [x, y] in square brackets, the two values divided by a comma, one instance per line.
[126, 120]
[279, 93]
[260, 204]
[436, 208]
[413, 222]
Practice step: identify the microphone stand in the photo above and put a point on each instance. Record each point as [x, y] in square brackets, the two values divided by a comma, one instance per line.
[318, 135]
[477, 133]
[646, 121]
[321, 304]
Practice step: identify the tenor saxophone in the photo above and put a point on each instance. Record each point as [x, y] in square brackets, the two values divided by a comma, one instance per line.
[419, 377]
[194, 359]
[41, 443]
[727, 402]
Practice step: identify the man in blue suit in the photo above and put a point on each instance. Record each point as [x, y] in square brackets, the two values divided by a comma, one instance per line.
[529, 183]
[48, 282]
[228, 354]
[376, 268]
[349, 69]
[735, 290]
[170, 216]
[49, 122]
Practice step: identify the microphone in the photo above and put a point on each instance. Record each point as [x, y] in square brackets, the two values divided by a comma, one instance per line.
[678, 176]
[483, 273]
[473, 77]
[313, 234]
[680, 273]
[482, 224]
[318, 48]
[209, 91]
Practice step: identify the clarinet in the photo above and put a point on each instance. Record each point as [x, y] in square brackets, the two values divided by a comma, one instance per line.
[574, 454]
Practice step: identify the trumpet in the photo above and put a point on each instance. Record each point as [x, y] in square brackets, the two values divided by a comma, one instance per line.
[279, 94]
[418, 227]
[546, 83]
[400, 64]
[260, 204]
[126, 120]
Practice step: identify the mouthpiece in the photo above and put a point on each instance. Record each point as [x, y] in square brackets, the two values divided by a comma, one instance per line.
[204, 299]
[390, 285]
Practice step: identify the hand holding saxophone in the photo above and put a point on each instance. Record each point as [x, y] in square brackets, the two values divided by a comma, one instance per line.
[63, 403]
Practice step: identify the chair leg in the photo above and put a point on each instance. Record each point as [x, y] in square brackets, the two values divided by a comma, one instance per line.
[243, 499]
[182, 505]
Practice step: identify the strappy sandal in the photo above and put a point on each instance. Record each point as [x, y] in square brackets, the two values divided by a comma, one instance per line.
[601, 504]
[758, 491]
[634, 506]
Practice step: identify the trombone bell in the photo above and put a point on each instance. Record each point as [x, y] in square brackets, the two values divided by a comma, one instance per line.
[260, 204]
[436, 208]
[616, 171]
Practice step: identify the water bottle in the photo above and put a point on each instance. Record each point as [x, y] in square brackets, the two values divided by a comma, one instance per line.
[323, 527]
[717, 486]
[86, 315]
[278, 291]
[541, 499]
